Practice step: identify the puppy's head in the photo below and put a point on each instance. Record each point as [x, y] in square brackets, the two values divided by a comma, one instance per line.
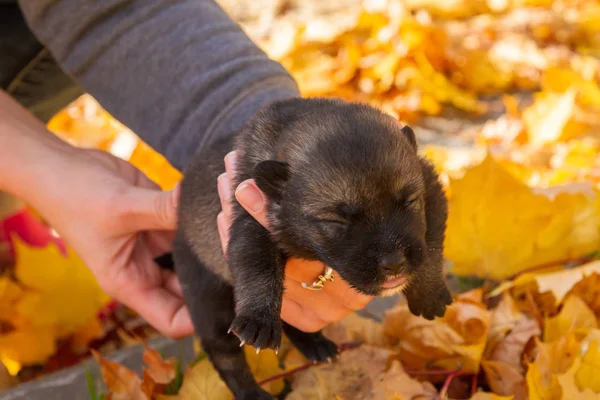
[350, 194]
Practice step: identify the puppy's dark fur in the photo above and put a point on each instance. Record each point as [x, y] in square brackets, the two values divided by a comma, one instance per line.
[345, 187]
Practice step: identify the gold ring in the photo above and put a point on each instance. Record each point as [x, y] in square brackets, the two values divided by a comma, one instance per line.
[320, 282]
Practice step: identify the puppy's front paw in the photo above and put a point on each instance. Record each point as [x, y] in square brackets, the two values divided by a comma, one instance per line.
[428, 302]
[258, 331]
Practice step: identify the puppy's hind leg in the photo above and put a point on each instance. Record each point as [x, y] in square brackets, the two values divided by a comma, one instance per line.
[210, 301]
[312, 345]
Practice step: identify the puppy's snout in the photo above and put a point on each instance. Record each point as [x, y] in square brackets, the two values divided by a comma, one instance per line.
[392, 264]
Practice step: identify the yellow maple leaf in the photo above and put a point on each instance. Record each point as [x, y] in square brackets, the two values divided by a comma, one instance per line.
[265, 365]
[45, 309]
[553, 360]
[10, 294]
[588, 375]
[537, 390]
[54, 281]
[487, 238]
[201, 382]
[490, 396]
[26, 345]
[569, 386]
[575, 316]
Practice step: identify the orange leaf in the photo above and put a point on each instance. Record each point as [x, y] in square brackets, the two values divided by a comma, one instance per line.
[123, 383]
[161, 371]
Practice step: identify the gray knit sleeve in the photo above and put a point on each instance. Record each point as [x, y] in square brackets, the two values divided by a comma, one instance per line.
[178, 73]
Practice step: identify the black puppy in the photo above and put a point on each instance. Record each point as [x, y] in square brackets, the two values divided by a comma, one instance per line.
[346, 187]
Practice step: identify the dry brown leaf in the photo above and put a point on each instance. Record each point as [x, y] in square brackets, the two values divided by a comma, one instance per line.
[122, 383]
[457, 338]
[6, 379]
[503, 319]
[504, 379]
[356, 328]
[510, 349]
[360, 374]
[561, 282]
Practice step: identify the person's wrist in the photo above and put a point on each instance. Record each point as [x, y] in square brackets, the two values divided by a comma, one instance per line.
[28, 149]
[38, 164]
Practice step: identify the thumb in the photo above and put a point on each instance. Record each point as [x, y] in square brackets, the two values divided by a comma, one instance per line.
[153, 209]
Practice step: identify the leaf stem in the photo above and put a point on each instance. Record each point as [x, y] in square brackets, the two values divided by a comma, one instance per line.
[474, 384]
[444, 391]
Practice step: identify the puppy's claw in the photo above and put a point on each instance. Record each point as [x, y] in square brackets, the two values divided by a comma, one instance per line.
[228, 331]
[329, 360]
[258, 350]
[242, 343]
[277, 351]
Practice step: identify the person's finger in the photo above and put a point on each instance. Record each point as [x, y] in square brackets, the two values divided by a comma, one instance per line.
[147, 209]
[162, 309]
[230, 162]
[252, 199]
[172, 283]
[225, 194]
[223, 226]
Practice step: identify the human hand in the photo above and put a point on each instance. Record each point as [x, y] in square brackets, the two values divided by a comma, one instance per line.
[114, 217]
[307, 310]
[118, 221]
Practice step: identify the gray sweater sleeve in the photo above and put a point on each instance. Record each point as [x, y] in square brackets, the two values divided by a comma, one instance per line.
[178, 73]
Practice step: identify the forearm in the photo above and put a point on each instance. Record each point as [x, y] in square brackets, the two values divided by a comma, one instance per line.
[177, 73]
[27, 150]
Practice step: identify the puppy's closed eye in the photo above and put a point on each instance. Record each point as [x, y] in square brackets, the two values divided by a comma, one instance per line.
[411, 202]
[332, 219]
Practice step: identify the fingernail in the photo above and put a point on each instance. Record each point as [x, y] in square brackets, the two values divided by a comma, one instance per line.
[223, 187]
[250, 197]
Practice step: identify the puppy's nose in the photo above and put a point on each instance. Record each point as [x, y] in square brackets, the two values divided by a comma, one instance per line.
[392, 263]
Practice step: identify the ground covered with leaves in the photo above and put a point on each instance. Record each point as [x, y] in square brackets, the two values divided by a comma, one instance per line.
[514, 85]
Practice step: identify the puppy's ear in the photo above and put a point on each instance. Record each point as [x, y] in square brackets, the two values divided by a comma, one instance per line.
[410, 135]
[271, 177]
